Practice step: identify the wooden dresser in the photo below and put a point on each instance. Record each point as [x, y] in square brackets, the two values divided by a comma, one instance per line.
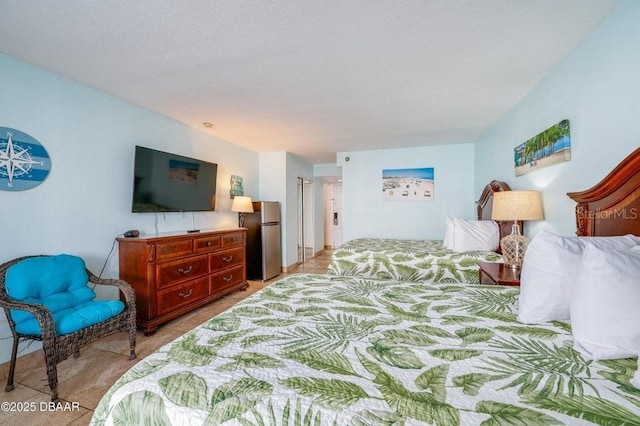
[173, 274]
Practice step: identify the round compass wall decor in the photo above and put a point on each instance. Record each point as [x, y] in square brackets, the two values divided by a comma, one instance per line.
[24, 163]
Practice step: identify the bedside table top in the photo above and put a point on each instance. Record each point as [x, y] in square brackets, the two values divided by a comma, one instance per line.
[500, 274]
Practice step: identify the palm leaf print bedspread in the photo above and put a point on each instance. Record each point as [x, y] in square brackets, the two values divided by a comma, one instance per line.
[331, 350]
[408, 260]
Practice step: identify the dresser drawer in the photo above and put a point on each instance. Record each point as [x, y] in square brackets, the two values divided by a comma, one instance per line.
[226, 279]
[173, 249]
[226, 259]
[169, 273]
[182, 294]
[205, 245]
[233, 239]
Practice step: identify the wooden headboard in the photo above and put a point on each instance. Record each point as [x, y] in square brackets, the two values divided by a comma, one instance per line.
[484, 206]
[611, 207]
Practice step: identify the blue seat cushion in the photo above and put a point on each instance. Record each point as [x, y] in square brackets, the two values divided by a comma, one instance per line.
[75, 318]
[60, 283]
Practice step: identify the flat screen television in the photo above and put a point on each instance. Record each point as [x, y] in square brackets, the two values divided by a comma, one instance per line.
[164, 182]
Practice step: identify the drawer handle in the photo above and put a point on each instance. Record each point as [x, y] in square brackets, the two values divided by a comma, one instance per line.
[185, 295]
[209, 243]
[227, 279]
[227, 258]
[186, 271]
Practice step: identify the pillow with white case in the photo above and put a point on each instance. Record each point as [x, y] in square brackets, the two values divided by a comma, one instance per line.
[448, 233]
[472, 235]
[551, 265]
[606, 304]
[635, 381]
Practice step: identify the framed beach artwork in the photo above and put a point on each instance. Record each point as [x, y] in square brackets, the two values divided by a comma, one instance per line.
[407, 184]
[550, 147]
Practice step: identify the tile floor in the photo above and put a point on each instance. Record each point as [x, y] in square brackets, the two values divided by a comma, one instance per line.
[83, 380]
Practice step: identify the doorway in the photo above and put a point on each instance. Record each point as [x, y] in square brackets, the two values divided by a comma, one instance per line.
[333, 215]
[305, 220]
[336, 204]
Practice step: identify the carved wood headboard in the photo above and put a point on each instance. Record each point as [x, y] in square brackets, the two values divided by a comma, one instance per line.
[484, 206]
[611, 207]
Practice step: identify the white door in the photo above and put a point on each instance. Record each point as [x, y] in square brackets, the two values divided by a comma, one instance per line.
[336, 214]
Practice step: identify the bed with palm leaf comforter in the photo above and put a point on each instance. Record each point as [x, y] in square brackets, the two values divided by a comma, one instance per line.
[408, 260]
[331, 350]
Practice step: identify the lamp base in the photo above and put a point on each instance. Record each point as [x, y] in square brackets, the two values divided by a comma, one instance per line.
[513, 247]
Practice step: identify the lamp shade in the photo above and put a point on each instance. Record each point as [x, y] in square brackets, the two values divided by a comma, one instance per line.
[242, 204]
[517, 205]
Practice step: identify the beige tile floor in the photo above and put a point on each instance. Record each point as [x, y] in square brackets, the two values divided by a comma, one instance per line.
[83, 380]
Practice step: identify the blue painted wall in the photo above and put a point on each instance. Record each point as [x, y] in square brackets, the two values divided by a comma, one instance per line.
[85, 202]
[597, 88]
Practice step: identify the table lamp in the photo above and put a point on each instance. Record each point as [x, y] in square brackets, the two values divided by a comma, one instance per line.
[515, 205]
[242, 205]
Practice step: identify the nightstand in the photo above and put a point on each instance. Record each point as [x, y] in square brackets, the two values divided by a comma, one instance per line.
[498, 274]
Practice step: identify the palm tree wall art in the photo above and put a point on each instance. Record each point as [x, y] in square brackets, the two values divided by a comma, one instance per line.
[550, 147]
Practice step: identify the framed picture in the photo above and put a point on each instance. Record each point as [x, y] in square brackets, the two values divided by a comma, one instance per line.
[236, 186]
[550, 147]
[407, 184]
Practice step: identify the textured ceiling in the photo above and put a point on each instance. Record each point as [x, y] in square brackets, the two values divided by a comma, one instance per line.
[309, 77]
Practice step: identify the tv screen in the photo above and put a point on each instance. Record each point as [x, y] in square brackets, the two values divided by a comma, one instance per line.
[164, 182]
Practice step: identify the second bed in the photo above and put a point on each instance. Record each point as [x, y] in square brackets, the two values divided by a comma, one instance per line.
[418, 260]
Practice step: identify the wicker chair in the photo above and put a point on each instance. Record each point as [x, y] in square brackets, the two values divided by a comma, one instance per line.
[57, 348]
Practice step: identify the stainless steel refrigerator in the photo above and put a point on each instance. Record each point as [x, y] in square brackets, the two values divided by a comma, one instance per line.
[263, 241]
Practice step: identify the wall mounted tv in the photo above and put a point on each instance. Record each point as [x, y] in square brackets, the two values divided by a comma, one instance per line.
[164, 182]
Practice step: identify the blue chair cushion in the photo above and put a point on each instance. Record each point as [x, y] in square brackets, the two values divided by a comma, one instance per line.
[60, 284]
[75, 318]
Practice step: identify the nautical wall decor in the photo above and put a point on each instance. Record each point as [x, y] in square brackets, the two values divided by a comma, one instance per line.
[24, 163]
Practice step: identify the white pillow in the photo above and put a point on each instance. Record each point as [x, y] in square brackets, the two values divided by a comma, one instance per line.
[472, 235]
[551, 264]
[606, 304]
[635, 381]
[448, 233]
